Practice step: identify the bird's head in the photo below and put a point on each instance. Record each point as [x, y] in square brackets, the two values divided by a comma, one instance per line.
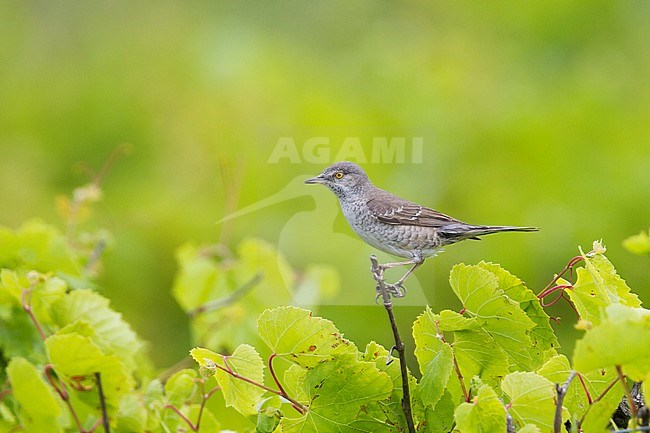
[342, 178]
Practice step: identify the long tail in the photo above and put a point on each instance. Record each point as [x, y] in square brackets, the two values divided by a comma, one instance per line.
[459, 232]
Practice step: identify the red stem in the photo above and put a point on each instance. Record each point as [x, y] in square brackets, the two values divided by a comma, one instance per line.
[584, 386]
[297, 405]
[63, 393]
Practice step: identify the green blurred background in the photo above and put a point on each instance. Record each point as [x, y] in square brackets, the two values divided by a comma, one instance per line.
[529, 114]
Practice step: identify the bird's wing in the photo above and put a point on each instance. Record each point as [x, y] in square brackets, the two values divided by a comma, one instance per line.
[390, 209]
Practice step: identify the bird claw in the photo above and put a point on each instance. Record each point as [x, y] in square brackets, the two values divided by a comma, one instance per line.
[396, 290]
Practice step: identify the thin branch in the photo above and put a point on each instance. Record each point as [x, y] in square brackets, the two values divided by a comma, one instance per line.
[180, 414]
[561, 393]
[102, 402]
[377, 273]
[205, 396]
[204, 399]
[59, 387]
[26, 300]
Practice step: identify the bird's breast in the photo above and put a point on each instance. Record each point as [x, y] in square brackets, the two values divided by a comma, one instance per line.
[400, 240]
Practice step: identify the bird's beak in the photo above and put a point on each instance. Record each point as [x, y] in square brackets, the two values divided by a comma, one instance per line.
[317, 179]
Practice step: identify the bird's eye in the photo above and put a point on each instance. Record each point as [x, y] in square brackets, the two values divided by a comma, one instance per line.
[338, 174]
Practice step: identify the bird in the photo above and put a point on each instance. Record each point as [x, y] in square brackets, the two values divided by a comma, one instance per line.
[395, 225]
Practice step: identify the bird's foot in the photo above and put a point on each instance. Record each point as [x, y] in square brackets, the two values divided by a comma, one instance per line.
[396, 290]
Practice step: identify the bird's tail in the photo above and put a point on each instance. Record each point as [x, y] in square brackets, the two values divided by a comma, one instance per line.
[468, 231]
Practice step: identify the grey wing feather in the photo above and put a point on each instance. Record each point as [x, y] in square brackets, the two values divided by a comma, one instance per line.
[391, 209]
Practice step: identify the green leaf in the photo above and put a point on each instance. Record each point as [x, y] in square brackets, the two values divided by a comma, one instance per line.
[390, 408]
[638, 244]
[234, 291]
[257, 256]
[337, 390]
[557, 370]
[532, 399]
[440, 419]
[209, 423]
[74, 355]
[485, 414]
[293, 333]
[501, 317]
[41, 247]
[434, 357]
[478, 354]
[318, 284]
[529, 428]
[597, 286]
[622, 338]
[600, 414]
[269, 415]
[34, 396]
[542, 335]
[131, 414]
[244, 362]
[110, 332]
[180, 386]
[452, 321]
[200, 278]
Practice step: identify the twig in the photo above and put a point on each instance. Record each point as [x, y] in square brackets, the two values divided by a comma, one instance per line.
[377, 273]
[561, 393]
[26, 299]
[59, 387]
[228, 300]
[102, 402]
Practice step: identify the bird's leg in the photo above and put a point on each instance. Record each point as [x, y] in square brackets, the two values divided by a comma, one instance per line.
[397, 289]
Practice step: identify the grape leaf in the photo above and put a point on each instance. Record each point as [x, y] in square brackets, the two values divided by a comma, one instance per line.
[34, 396]
[622, 338]
[434, 357]
[245, 362]
[529, 428]
[337, 390]
[638, 244]
[558, 369]
[542, 335]
[390, 408]
[74, 355]
[440, 419]
[111, 333]
[485, 414]
[236, 291]
[293, 333]
[501, 317]
[531, 398]
[597, 286]
[41, 247]
[180, 386]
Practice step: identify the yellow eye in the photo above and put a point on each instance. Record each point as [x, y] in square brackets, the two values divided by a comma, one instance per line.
[338, 174]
